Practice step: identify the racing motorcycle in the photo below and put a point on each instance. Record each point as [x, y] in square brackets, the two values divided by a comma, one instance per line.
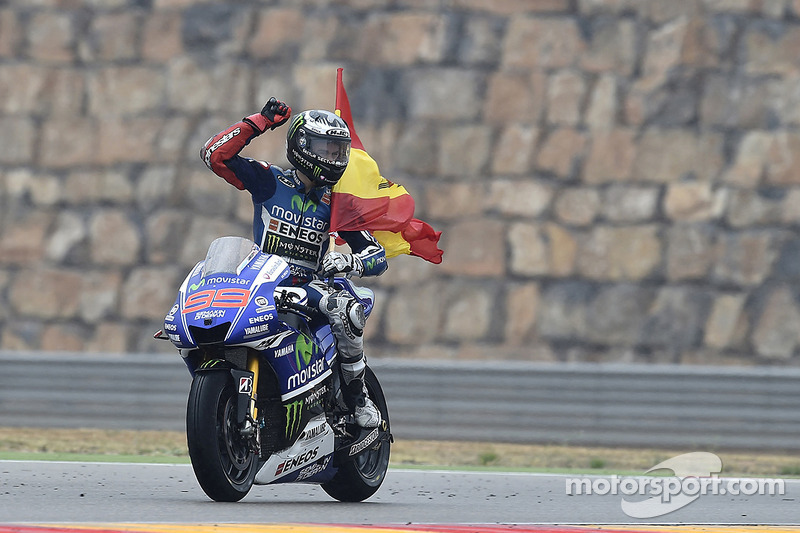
[265, 404]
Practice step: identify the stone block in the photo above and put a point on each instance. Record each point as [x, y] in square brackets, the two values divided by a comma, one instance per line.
[51, 36]
[512, 7]
[46, 293]
[161, 36]
[279, 31]
[522, 308]
[10, 33]
[611, 156]
[770, 48]
[749, 208]
[67, 237]
[448, 201]
[524, 198]
[464, 151]
[577, 206]
[61, 150]
[690, 201]
[442, 94]
[404, 38]
[672, 155]
[22, 236]
[749, 166]
[114, 238]
[20, 84]
[775, 331]
[562, 152]
[413, 316]
[481, 41]
[109, 337]
[676, 318]
[513, 153]
[562, 250]
[563, 310]
[691, 251]
[515, 97]
[21, 335]
[539, 42]
[125, 90]
[790, 208]
[746, 258]
[475, 247]
[200, 233]
[611, 47]
[529, 250]
[101, 186]
[156, 187]
[419, 145]
[566, 91]
[149, 292]
[208, 195]
[620, 253]
[111, 37]
[616, 315]
[663, 53]
[127, 140]
[165, 232]
[782, 164]
[603, 108]
[622, 203]
[17, 141]
[101, 295]
[727, 324]
[468, 312]
[193, 88]
[63, 337]
[742, 102]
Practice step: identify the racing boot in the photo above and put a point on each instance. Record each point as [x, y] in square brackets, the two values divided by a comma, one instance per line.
[346, 316]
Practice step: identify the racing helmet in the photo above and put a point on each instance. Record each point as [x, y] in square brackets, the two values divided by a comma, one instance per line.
[318, 145]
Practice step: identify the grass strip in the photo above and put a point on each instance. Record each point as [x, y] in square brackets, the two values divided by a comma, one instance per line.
[170, 447]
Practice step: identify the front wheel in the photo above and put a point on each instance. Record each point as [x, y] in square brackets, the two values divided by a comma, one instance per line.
[361, 476]
[221, 458]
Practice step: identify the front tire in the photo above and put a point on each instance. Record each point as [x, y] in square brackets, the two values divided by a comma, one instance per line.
[221, 458]
[361, 476]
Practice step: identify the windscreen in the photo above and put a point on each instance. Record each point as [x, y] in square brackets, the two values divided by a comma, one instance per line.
[226, 254]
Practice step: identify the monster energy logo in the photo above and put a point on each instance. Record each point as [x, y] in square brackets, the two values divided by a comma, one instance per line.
[294, 414]
[304, 348]
[297, 202]
[271, 243]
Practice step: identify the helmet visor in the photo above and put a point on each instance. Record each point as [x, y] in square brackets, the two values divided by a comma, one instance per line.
[336, 151]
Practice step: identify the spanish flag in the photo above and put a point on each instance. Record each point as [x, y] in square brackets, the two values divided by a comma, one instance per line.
[365, 200]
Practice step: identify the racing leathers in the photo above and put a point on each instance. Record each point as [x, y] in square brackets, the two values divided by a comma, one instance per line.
[292, 221]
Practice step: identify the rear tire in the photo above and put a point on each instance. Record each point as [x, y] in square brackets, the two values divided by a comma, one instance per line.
[361, 476]
[222, 461]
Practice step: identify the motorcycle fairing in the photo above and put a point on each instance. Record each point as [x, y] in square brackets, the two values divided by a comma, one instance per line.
[314, 446]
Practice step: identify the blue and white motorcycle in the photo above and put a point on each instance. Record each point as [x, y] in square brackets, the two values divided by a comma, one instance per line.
[265, 405]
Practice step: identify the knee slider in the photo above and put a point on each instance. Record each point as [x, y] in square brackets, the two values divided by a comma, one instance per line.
[344, 311]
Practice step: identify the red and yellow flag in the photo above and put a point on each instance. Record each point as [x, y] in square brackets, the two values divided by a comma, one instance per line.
[365, 200]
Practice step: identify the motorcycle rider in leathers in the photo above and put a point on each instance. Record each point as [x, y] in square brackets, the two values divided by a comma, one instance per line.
[292, 220]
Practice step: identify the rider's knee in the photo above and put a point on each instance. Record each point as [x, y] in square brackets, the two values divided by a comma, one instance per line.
[343, 310]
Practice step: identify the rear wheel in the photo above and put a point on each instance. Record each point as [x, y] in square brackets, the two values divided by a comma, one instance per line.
[361, 476]
[221, 457]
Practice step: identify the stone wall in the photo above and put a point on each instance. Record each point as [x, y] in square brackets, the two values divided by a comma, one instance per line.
[616, 180]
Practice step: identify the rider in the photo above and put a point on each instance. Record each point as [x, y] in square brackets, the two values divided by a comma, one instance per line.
[292, 220]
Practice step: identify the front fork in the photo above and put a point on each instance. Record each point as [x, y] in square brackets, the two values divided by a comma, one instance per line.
[247, 412]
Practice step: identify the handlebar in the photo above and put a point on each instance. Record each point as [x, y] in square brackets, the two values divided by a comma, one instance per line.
[284, 302]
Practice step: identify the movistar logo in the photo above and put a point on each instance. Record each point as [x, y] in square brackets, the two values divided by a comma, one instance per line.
[370, 264]
[195, 286]
[294, 414]
[299, 204]
[304, 348]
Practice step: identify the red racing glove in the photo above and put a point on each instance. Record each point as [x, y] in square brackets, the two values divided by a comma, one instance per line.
[272, 115]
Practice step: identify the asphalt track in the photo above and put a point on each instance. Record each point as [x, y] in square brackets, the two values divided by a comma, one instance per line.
[65, 496]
